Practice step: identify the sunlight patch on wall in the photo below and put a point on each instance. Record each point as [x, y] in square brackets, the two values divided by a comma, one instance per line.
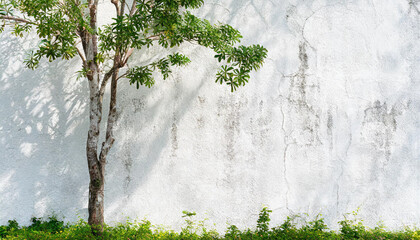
[28, 149]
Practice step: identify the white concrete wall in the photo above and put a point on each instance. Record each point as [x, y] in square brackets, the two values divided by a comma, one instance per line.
[329, 124]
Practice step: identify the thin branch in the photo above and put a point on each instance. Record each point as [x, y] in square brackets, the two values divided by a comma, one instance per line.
[122, 76]
[117, 7]
[112, 118]
[122, 7]
[155, 37]
[105, 80]
[81, 56]
[16, 19]
[126, 56]
[127, 6]
[133, 8]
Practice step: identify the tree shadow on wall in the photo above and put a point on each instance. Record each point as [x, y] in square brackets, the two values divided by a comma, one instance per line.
[146, 134]
[42, 135]
[43, 128]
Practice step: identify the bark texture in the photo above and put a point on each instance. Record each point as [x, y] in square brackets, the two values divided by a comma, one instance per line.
[97, 159]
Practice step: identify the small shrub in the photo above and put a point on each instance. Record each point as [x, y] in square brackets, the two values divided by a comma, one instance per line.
[263, 221]
[352, 228]
[52, 225]
[232, 232]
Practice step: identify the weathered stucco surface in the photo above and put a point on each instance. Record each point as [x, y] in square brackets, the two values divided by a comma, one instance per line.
[329, 124]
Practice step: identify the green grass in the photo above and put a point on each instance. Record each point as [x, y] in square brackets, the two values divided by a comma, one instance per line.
[350, 228]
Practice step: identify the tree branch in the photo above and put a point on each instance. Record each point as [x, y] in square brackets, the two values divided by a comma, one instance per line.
[122, 76]
[133, 8]
[112, 118]
[155, 37]
[117, 7]
[81, 56]
[126, 56]
[16, 19]
[105, 80]
[123, 7]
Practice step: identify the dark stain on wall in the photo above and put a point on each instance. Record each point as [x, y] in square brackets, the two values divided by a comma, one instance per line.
[174, 137]
[138, 104]
[301, 110]
[201, 119]
[380, 124]
[230, 109]
[260, 126]
[128, 163]
[330, 125]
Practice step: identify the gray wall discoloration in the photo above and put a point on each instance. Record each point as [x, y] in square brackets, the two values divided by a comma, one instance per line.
[174, 138]
[138, 104]
[231, 109]
[379, 126]
[302, 108]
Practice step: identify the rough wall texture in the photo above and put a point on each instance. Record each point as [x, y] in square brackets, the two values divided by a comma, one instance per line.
[329, 124]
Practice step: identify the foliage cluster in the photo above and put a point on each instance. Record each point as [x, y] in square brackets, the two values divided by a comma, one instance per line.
[166, 23]
[351, 228]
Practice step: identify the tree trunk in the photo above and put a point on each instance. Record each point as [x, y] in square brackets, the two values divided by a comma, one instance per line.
[96, 167]
[97, 163]
[96, 200]
[96, 89]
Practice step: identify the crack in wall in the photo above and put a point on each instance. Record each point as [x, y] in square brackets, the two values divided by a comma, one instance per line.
[287, 143]
[298, 22]
[285, 137]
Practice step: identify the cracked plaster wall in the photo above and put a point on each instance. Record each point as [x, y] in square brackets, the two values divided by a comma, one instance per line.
[328, 125]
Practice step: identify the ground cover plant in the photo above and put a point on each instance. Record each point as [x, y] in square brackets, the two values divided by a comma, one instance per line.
[350, 228]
